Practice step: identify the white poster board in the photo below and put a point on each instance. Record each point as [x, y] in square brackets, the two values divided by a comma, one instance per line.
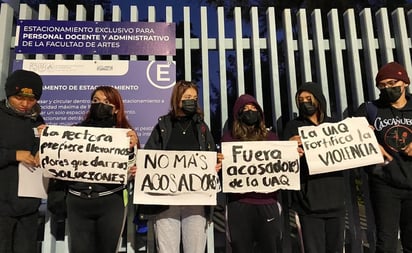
[260, 166]
[32, 184]
[85, 154]
[347, 144]
[176, 178]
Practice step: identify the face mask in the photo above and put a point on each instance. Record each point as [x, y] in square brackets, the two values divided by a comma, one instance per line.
[250, 118]
[391, 94]
[100, 111]
[189, 106]
[32, 113]
[307, 109]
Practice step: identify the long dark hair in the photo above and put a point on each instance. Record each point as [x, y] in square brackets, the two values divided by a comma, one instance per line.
[114, 98]
[243, 132]
[180, 87]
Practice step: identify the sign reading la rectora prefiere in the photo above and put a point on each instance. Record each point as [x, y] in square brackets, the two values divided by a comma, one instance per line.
[92, 37]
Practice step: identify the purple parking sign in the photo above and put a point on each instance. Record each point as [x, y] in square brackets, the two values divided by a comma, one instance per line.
[145, 87]
[91, 37]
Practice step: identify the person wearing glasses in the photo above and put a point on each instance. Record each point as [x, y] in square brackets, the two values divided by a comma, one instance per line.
[320, 203]
[183, 128]
[391, 183]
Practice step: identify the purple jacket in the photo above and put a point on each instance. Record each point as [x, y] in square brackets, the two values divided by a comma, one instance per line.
[250, 197]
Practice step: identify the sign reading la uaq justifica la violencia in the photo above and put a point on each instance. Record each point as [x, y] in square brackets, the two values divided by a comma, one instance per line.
[92, 37]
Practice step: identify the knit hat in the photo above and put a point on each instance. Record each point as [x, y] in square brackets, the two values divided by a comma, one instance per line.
[24, 83]
[392, 70]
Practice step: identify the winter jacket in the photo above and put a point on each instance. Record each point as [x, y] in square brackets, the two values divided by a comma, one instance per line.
[321, 195]
[16, 133]
[161, 134]
[159, 139]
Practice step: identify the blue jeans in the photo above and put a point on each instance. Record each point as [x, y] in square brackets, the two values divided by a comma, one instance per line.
[393, 212]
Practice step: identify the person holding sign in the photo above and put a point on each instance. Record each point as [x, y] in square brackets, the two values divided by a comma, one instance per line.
[391, 183]
[96, 212]
[182, 128]
[320, 203]
[20, 119]
[253, 218]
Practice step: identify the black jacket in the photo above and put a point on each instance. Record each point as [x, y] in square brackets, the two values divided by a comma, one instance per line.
[393, 130]
[160, 135]
[159, 139]
[321, 195]
[16, 133]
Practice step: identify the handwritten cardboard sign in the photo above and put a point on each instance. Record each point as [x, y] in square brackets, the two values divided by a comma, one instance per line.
[86, 154]
[260, 166]
[176, 178]
[347, 144]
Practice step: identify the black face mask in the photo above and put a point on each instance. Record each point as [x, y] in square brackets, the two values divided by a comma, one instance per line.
[390, 95]
[101, 115]
[307, 109]
[100, 111]
[189, 106]
[250, 118]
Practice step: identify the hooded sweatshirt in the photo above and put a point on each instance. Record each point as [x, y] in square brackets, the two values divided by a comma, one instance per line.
[393, 130]
[321, 195]
[251, 197]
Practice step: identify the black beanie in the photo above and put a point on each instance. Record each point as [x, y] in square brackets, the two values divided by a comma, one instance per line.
[24, 83]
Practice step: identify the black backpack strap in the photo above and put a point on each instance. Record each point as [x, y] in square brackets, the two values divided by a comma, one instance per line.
[371, 111]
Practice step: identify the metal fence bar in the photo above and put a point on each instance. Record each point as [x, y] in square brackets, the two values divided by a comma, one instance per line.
[402, 42]
[256, 57]
[354, 46]
[240, 65]
[305, 46]
[320, 47]
[274, 69]
[369, 52]
[204, 41]
[25, 13]
[80, 16]
[337, 45]
[6, 26]
[221, 44]
[289, 52]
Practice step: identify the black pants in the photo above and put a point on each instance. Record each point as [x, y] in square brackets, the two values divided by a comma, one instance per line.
[95, 225]
[18, 234]
[393, 212]
[254, 228]
[322, 235]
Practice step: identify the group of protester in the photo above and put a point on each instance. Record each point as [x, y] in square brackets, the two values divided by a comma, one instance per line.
[96, 212]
